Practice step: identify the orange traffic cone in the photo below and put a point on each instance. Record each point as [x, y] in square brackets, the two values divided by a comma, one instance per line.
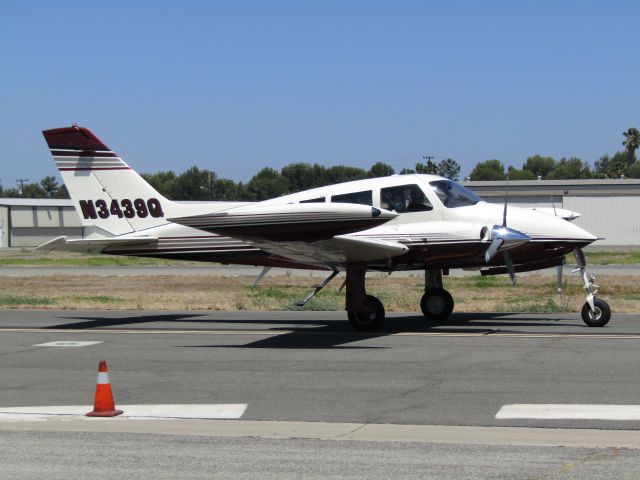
[103, 405]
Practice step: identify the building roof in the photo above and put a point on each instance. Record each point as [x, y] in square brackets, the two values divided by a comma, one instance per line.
[592, 186]
[600, 182]
[36, 202]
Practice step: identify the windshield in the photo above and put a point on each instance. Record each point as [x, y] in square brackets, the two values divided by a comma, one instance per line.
[453, 195]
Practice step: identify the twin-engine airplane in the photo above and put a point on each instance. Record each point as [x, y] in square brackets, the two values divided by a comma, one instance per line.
[401, 222]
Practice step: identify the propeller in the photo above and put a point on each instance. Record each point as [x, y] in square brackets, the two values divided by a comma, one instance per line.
[505, 238]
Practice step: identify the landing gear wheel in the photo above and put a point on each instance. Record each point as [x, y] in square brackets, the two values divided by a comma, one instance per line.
[436, 304]
[367, 321]
[599, 317]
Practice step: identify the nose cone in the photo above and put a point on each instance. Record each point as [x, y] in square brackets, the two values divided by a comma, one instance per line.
[542, 226]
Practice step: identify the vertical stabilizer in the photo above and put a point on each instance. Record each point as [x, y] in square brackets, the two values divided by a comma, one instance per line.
[107, 193]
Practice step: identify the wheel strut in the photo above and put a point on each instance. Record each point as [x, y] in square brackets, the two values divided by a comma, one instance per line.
[595, 312]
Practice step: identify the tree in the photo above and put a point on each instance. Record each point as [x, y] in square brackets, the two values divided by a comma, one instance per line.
[340, 173]
[33, 190]
[634, 170]
[227, 190]
[49, 185]
[381, 169]
[407, 171]
[488, 170]
[571, 168]
[266, 184]
[429, 168]
[631, 143]
[303, 176]
[539, 166]
[194, 184]
[612, 167]
[516, 174]
[449, 168]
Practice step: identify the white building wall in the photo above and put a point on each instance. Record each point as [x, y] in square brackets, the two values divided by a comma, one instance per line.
[616, 218]
[32, 237]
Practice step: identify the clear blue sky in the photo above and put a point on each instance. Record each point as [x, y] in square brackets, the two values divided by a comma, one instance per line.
[239, 85]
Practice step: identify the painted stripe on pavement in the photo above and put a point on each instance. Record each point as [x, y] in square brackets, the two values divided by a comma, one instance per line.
[569, 412]
[197, 411]
[66, 343]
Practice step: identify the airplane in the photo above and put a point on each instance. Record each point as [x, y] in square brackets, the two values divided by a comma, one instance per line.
[399, 222]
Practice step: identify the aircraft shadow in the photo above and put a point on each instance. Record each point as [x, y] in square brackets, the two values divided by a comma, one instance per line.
[323, 334]
[103, 322]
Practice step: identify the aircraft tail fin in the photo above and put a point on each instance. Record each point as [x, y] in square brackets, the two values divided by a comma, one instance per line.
[108, 194]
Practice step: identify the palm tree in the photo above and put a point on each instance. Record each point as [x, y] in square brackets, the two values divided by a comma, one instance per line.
[631, 143]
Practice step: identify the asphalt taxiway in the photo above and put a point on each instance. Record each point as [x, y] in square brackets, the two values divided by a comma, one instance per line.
[422, 399]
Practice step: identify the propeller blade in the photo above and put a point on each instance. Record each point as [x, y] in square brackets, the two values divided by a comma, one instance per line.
[493, 249]
[504, 214]
[509, 264]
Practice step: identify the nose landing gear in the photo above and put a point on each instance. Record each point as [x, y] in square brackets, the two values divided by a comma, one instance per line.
[595, 312]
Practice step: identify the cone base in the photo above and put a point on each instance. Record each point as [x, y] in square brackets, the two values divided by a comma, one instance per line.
[111, 413]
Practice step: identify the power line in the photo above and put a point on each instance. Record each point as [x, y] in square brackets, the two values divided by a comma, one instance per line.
[21, 182]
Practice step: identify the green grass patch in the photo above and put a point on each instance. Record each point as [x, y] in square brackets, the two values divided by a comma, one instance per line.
[609, 257]
[95, 298]
[24, 300]
[268, 292]
[487, 281]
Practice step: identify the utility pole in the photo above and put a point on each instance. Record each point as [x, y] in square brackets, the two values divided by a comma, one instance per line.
[21, 181]
[428, 157]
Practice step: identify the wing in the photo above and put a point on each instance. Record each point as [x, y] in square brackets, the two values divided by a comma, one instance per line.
[312, 233]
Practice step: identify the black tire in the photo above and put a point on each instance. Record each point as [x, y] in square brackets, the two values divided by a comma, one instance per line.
[367, 321]
[600, 317]
[436, 304]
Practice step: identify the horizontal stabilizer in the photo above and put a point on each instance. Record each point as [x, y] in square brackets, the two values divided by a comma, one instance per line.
[290, 222]
[92, 245]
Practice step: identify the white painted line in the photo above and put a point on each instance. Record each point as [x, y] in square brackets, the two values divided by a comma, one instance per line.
[231, 411]
[63, 343]
[569, 412]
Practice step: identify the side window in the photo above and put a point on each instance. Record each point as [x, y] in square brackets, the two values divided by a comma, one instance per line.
[313, 200]
[405, 198]
[363, 198]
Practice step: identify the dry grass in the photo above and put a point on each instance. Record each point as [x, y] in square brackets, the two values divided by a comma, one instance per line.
[472, 294]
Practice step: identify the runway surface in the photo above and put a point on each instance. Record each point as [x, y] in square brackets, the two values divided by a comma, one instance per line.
[415, 399]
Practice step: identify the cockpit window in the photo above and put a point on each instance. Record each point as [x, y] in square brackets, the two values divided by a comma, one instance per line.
[453, 195]
[363, 198]
[405, 198]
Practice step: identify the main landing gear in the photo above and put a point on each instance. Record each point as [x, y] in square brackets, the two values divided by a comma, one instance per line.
[436, 303]
[595, 312]
[366, 313]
